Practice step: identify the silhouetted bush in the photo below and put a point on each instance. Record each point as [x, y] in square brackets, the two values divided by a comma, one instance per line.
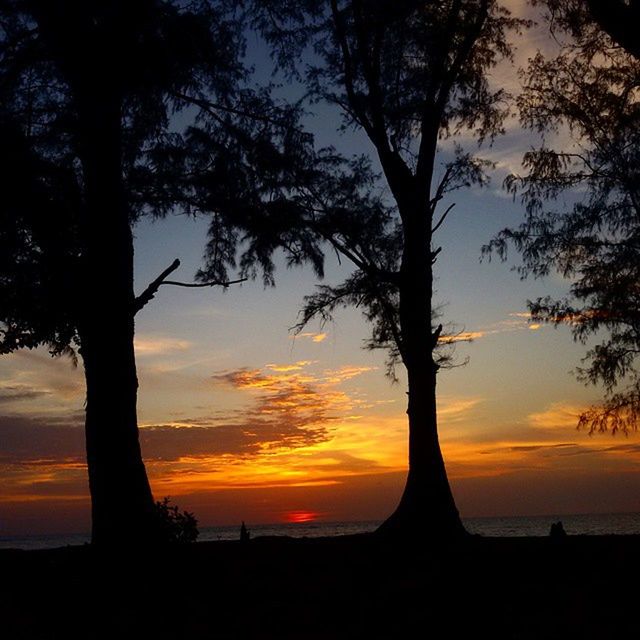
[177, 526]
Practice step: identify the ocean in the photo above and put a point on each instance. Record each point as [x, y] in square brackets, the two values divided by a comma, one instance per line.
[584, 524]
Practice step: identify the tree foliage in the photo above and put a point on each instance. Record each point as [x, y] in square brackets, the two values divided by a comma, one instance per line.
[409, 75]
[183, 65]
[590, 95]
[177, 527]
[153, 55]
[38, 247]
[589, 21]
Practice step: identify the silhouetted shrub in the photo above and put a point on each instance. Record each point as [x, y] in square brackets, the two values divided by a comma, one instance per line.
[177, 526]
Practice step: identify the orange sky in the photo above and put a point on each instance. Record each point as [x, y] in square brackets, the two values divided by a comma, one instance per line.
[294, 440]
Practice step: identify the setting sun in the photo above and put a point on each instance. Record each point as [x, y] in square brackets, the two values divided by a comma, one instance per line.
[300, 517]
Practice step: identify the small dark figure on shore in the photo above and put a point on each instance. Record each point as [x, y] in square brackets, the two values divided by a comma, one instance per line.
[557, 530]
[245, 536]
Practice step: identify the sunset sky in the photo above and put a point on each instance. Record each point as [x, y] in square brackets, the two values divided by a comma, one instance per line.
[243, 420]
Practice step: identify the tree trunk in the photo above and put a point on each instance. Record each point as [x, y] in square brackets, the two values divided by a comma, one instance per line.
[427, 508]
[122, 503]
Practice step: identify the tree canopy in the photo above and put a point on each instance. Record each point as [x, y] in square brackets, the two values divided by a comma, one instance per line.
[588, 94]
[151, 54]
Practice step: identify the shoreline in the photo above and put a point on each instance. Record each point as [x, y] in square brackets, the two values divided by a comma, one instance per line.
[487, 526]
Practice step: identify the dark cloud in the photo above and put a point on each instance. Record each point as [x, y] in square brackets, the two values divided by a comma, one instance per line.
[541, 447]
[631, 448]
[571, 448]
[287, 411]
[169, 442]
[15, 393]
[28, 440]
[562, 448]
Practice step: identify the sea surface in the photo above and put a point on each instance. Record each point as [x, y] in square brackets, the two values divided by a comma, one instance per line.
[584, 524]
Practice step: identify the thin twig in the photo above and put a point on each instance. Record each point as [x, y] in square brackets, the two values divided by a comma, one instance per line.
[444, 215]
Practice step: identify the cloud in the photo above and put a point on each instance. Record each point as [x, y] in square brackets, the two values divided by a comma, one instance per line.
[17, 392]
[204, 437]
[159, 345]
[29, 440]
[335, 376]
[285, 368]
[454, 409]
[42, 458]
[539, 447]
[516, 321]
[39, 371]
[275, 439]
[310, 335]
[559, 415]
[291, 408]
[463, 336]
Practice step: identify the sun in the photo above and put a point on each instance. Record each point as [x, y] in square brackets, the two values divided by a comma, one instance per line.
[300, 517]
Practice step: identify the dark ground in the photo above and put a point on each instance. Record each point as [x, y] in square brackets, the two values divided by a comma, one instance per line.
[350, 587]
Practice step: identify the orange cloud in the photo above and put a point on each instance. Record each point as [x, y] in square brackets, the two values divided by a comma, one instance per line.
[342, 374]
[310, 335]
[285, 368]
[464, 336]
[300, 430]
[557, 416]
[517, 321]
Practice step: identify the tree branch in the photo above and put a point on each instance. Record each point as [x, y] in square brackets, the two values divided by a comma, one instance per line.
[148, 294]
[348, 69]
[435, 336]
[210, 283]
[211, 108]
[442, 219]
[440, 191]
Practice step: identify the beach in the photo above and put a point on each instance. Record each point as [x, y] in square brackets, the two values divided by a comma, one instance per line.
[343, 587]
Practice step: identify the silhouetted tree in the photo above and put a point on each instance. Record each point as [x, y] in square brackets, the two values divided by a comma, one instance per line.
[179, 527]
[590, 93]
[409, 74]
[588, 19]
[87, 90]
[38, 247]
